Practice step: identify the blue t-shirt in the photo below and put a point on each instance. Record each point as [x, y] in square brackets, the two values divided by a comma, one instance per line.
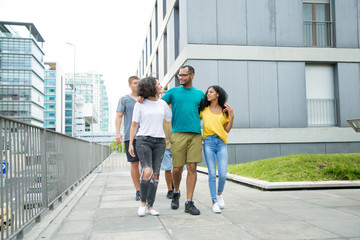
[185, 104]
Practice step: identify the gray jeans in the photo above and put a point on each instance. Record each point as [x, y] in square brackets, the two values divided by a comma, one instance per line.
[150, 152]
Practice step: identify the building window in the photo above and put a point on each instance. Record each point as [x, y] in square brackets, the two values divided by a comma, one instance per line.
[317, 23]
[320, 95]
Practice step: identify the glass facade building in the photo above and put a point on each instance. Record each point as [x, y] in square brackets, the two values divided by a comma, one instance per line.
[54, 98]
[21, 73]
[90, 86]
[104, 108]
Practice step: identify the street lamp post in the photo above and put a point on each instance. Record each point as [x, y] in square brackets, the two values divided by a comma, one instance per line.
[73, 93]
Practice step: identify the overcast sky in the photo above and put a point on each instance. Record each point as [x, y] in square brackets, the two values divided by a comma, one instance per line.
[108, 34]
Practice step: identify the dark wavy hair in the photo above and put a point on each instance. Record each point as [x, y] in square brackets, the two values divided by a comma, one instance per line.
[221, 100]
[147, 87]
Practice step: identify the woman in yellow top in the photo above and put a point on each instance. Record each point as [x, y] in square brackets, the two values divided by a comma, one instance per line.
[217, 119]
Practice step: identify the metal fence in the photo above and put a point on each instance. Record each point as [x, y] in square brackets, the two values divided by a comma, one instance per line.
[38, 168]
[318, 34]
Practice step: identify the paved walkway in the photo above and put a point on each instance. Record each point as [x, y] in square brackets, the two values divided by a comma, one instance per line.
[104, 208]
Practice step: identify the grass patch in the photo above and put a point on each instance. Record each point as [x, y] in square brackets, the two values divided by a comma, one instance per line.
[303, 167]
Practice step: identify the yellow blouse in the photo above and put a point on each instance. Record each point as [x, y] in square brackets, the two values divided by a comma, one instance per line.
[214, 124]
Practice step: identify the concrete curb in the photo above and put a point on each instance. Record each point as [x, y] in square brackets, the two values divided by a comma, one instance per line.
[277, 186]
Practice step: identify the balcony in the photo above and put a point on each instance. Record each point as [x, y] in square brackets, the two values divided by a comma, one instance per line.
[318, 34]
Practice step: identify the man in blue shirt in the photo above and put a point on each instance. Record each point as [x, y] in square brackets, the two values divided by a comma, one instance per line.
[186, 140]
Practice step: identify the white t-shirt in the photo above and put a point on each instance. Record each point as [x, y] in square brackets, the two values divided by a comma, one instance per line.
[150, 115]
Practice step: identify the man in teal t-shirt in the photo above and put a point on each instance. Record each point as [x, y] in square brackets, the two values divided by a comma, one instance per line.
[186, 140]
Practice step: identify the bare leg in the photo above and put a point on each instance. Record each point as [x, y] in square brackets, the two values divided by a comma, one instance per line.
[177, 172]
[168, 179]
[190, 180]
[135, 175]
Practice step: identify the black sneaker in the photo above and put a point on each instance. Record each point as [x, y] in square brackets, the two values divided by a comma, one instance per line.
[138, 197]
[190, 208]
[169, 195]
[175, 200]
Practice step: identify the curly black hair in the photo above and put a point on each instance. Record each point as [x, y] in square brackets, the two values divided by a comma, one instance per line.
[221, 100]
[147, 87]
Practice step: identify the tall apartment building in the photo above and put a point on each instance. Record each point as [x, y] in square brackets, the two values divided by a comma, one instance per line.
[21, 72]
[291, 68]
[54, 109]
[89, 90]
[104, 108]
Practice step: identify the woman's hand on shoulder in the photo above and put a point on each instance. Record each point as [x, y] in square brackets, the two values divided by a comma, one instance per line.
[140, 99]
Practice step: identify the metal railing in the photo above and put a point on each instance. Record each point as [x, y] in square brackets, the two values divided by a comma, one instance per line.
[318, 34]
[39, 167]
[321, 112]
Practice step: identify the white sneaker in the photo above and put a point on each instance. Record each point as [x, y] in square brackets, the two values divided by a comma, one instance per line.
[141, 211]
[216, 208]
[220, 201]
[153, 212]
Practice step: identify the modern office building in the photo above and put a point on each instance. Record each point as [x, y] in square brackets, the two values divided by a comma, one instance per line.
[291, 68]
[104, 108]
[54, 109]
[21, 72]
[89, 90]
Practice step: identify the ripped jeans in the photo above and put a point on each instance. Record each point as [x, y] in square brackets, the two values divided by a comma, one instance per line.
[150, 153]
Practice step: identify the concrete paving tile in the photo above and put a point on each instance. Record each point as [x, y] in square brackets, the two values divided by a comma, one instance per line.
[126, 224]
[119, 198]
[287, 203]
[287, 230]
[346, 193]
[104, 213]
[209, 233]
[309, 194]
[188, 220]
[242, 216]
[125, 191]
[314, 213]
[69, 237]
[334, 202]
[117, 204]
[352, 210]
[135, 235]
[81, 215]
[346, 227]
[72, 227]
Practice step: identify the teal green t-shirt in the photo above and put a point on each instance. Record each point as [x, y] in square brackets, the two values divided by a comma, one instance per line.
[185, 104]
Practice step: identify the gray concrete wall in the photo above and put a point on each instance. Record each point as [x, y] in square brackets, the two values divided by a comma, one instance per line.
[241, 22]
[346, 23]
[348, 84]
[170, 29]
[261, 22]
[263, 94]
[292, 94]
[232, 23]
[201, 21]
[289, 23]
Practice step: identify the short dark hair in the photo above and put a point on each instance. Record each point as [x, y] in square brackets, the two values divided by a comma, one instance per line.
[191, 69]
[147, 87]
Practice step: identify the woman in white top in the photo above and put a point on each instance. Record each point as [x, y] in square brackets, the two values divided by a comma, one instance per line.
[150, 140]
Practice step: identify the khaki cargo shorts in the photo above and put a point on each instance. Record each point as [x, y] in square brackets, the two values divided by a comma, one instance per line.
[186, 148]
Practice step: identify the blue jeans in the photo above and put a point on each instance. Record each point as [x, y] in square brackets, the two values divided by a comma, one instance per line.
[213, 145]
